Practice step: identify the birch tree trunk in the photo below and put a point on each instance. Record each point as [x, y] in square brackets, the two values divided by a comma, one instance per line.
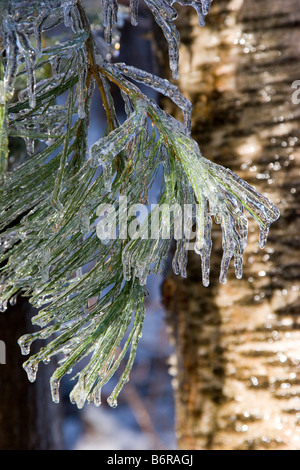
[237, 346]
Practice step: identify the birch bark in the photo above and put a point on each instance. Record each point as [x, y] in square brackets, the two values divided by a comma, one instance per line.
[237, 346]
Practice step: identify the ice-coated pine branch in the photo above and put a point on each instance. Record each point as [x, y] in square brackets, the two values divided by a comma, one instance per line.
[87, 283]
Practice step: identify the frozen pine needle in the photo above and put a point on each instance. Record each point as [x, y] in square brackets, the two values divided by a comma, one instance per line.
[60, 244]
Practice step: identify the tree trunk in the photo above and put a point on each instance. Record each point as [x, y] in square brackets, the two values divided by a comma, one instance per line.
[237, 346]
[28, 418]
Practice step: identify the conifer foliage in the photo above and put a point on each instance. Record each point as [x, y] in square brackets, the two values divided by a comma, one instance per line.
[90, 292]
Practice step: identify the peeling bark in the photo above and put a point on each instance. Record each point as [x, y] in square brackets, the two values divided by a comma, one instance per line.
[237, 346]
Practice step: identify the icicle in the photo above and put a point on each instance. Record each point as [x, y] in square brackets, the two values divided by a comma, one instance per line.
[29, 55]
[110, 16]
[126, 261]
[242, 223]
[78, 395]
[142, 271]
[97, 396]
[203, 239]
[202, 7]
[25, 342]
[188, 223]
[263, 235]
[238, 264]
[228, 245]
[164, 14]
[134, 6]
[54, 386]
[37, 29]
[12, 59]
[206, 6]
[31, 369]
[179, 262]
[226, 258]
[81, 85]
[259, 206]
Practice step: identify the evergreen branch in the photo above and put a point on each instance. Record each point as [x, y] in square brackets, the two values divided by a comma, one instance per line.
[61, 244]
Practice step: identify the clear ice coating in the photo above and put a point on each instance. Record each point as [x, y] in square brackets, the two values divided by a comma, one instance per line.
[222, 194]
[163, 86]
[164, 14]
[202, 7]
[105, 149]
[134, 6]
[90, 295]
[109, 17]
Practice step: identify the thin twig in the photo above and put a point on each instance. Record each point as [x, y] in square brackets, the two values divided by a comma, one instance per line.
[92, 65]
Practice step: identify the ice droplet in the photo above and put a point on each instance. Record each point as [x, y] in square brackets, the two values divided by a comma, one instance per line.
[113, 402]
[25, 342]
[13, 300]
[31, 369]
[3, 305]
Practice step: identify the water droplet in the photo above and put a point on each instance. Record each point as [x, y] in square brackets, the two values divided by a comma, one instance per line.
[113, 402]
[31, 370]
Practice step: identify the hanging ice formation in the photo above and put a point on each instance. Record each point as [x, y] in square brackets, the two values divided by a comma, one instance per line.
[90, 294]
[164, 14]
